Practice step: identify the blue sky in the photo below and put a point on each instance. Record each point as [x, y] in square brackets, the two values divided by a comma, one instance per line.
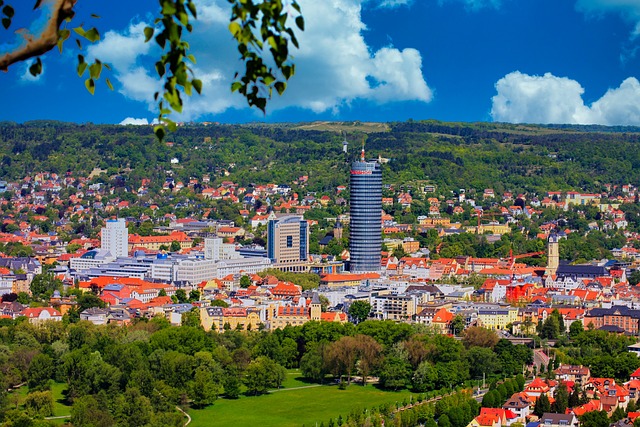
[520, 61]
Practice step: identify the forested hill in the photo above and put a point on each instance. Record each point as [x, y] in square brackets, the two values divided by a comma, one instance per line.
[451, 155]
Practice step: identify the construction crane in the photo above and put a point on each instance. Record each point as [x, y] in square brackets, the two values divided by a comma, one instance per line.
[513, 258]
[481, 214]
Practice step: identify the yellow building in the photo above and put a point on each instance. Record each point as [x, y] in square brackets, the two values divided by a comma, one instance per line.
[155, 242]
[433, 222]
[410, 246]
[497, 318]
[346, 279]
[215, 318]
[294, 315]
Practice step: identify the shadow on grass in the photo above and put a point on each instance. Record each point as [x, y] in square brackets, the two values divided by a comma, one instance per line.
[308, 381]
[65, 400]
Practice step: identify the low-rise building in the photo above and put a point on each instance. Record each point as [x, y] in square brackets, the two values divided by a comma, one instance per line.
[38, 315]
[220, 319]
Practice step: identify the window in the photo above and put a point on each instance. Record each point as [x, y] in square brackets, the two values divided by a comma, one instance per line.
[289, 241]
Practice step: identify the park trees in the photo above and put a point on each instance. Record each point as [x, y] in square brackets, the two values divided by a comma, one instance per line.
[480, 337]
[262, 374]
[43, 285]
[359, 310]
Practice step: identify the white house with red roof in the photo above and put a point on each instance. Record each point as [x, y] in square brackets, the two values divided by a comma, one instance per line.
[38, 315]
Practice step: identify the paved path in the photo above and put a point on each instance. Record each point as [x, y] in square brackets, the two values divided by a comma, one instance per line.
[185, 414]
[297, 388]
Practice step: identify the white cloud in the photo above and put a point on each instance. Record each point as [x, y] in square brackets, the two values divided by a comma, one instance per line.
[27, 77]
[139, 85]
[522, 98]
[121, 50]
[395, 3]
[475, 5]
[334, 65]
[620, 105]
[629, 9]
[134, 121]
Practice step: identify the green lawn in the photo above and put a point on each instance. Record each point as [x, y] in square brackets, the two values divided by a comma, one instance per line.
[293, 407]
[59, 406]
[295, 379]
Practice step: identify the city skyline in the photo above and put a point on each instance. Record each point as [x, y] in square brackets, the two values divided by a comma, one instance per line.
[369, 60]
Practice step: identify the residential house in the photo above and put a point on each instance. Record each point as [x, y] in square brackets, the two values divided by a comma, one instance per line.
[558, 420]
[520, 404]
[38, 315]
[95, 315]
[539, 386]
[493, 417]
[576, 373]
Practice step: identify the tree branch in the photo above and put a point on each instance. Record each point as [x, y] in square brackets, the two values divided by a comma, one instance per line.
[48, 38]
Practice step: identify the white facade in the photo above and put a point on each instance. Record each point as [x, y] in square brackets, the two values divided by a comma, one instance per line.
[195, 270]
[246, 265]
[91, 259]
[115, 237]
[215, 249]
[6, 284]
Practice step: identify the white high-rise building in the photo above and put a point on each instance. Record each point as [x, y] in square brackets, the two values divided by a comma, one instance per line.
[216, 249]
[115, 237]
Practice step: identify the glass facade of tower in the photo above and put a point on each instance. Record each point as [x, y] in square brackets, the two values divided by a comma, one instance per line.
[365, 239]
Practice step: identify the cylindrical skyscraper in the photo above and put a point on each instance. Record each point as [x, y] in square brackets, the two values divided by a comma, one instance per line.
[365, 241]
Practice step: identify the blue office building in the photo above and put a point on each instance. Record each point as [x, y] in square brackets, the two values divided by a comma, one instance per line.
[365, 235]
[288, 243]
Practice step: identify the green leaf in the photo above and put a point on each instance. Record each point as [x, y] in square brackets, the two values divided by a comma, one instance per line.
[300, 22]
[64, 34]
[161, 39]
[36, 68]
[109, 84]
[235, 86]
[8, 11]
[79, 31]
[191, 58]
[6, 22]
[92, 35]
[192, 8]
[93, 15]
[160, 68]
[235, 29]
[82, 65]
[95, 69]
[280, 87]
[160, 132]
[90, 85]
[148, 33]
[197, 85]
[168, 8]
[183, 18]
